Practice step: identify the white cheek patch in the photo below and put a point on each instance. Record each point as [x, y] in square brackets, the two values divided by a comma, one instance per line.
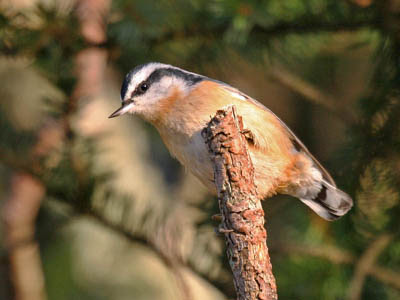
[127, 108]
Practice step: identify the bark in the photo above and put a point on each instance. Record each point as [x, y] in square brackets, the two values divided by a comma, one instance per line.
[242, 213]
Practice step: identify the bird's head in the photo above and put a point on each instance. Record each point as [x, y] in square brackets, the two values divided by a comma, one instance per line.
[147, 88]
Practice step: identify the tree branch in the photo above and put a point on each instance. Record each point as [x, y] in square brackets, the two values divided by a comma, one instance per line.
[18, 217]
[365, 263]
[340, 256]
[314, 25]
[242, 213]
[311, 93]
[173, 264]
[282, 28]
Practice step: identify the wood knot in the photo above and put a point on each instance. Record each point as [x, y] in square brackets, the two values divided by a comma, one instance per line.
[234, 174]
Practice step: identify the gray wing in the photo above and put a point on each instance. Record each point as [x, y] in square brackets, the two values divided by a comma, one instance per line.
[297, 144]
[301, 147]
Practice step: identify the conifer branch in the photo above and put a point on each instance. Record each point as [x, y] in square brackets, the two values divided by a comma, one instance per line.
[365, 263]
[242, 213]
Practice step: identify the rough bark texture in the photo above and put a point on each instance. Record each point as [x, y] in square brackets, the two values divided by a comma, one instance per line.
[242, 213]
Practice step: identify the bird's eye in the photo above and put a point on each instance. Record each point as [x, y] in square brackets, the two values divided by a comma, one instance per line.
[143, 87]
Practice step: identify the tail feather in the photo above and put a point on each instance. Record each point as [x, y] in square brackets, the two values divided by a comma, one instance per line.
[330, 203]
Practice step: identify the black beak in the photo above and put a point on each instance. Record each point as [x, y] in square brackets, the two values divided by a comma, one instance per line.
[122, 110]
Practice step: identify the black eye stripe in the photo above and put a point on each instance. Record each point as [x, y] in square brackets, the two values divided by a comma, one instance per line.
[141, 89]
[190, 78]
[155, 76]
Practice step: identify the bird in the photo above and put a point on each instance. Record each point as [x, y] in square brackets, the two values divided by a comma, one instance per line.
[180, 104]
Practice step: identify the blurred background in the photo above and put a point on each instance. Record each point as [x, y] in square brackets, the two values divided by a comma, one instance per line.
[93, 208]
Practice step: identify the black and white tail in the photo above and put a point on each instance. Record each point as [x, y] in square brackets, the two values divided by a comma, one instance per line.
[330, 203]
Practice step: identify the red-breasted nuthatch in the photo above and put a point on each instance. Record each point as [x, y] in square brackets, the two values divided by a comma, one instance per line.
[180, 104]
